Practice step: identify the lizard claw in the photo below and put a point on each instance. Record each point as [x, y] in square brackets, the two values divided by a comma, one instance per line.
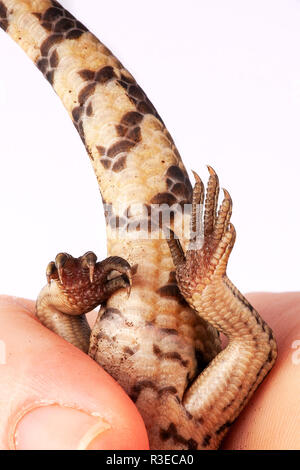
[129, 277]
[51, 272]
[55, 270]
[115, 263]
[60, 262]
[89, 261]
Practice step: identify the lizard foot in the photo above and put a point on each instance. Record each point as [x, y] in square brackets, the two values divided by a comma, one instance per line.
[211, 241]
[223, 389]
[75, 287]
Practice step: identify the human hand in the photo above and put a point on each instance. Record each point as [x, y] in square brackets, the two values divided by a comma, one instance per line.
[53, 396]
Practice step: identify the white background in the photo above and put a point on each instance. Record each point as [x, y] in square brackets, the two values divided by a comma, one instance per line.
[225, 77]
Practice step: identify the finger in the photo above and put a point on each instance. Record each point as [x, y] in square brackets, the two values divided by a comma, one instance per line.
[55, 397]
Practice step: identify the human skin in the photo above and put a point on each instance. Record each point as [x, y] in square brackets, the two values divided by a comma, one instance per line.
[42, 371]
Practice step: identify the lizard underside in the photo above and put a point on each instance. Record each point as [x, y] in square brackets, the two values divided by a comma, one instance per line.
[161, 342]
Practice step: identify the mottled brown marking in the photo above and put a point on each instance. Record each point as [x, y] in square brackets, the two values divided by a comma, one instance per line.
[164, 198]
[129, 225]
[64, 25]
[38, 15]
[127, 78]
[176, 357]
[106, 163]
[81, 131]
[3, 17]
[102, 76]
[123, 84]
[42, 65]
[223, 427]
[89, 110]
[179, 190]
[172, 278]
[167, 390]
[76, 114]
[50, 76]
[102, 336]
[134, 134]
[57, 19]
[130, 135]
[136, 92]
[51, 14]
[172, 433]
[105, 74]
[119, 147]
[137, 96]
[145, 108]
[74, 34]
[134, 269]
[173, 356]
[188, 414]
[169, 331]
[170, 290]
[110, 313]
[54, 59]
[156, 350]
[86, 92]
[139, 386]
[119, 165]
[228, 405]
[101, 150]
[87, 75]
[128, 351]
[49, 43]
[206, 440]
[121, 130]
[131, 119]
[176, 173]
[128, 129]
[270, 356]
[178, 184]
[270, 335]
[243, 300]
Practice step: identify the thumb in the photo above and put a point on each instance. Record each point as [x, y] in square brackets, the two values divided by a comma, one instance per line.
[52, 396]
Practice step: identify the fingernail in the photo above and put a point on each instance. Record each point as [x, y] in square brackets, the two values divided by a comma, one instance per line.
[58, 427]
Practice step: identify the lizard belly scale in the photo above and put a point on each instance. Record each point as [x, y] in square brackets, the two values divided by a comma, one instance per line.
[135, 160]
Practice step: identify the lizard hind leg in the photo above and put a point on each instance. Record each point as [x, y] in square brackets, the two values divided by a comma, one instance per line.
[75, 287]
[220, 392]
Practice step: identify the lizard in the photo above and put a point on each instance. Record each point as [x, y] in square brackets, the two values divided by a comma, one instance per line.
[165, 302]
